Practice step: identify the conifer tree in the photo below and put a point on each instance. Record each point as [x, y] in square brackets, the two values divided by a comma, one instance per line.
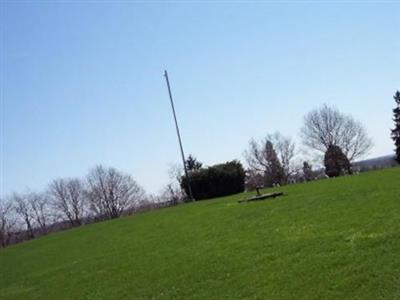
[275, 170]
[192, 163]
[336, 162]
[396, 129]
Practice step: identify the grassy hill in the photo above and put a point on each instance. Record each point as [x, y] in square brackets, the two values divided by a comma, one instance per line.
[331, 239]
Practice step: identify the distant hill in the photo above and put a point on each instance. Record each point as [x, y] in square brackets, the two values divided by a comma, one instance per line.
[380, 162]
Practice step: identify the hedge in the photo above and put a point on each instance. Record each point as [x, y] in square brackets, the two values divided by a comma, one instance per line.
[216, 181]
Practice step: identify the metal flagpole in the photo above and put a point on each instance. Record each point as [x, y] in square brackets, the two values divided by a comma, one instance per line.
[179, 137]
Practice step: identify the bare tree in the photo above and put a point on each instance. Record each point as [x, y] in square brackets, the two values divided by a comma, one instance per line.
[254, 179]
[272, 157]
[24, 211]
[111, 192]
[68, 199]
[7, 222]
[39, 208]
[175, 173]
[327, 126]
[174, 190]
[173, 194]
[285, 148]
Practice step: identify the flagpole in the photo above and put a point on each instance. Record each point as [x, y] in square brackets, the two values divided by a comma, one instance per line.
[179, 137]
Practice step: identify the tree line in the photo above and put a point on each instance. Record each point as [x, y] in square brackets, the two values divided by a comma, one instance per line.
[396, 130]
[105, 193]
[334, 140]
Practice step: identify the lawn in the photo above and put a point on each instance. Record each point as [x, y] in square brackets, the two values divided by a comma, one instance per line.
[328, 239]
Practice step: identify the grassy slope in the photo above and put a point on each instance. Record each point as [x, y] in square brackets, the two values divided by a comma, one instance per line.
[338, 238]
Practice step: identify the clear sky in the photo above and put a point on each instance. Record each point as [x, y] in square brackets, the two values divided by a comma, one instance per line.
[82, 82]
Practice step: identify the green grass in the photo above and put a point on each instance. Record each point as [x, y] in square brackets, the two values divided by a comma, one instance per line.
[331, 239]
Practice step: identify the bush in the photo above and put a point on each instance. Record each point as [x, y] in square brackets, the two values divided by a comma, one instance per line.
[215, 181]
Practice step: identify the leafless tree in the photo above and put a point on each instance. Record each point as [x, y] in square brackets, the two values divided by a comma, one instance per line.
[172, 193]
[327, 126]
[254, 179]
[7, 222]
[68, 199]
[24, 211]
[273, 154]
[175, 172]
[111, 192]
[39, 208]
[174, 190]
[285, 148]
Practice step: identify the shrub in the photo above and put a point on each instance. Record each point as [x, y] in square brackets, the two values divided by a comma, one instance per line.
[215, 181]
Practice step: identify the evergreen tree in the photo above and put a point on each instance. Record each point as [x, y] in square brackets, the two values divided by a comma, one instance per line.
[336, 163]
[275, 173]
[192, 163]
[396, 130]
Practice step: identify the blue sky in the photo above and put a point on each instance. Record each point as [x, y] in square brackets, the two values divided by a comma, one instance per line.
[82, 84]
